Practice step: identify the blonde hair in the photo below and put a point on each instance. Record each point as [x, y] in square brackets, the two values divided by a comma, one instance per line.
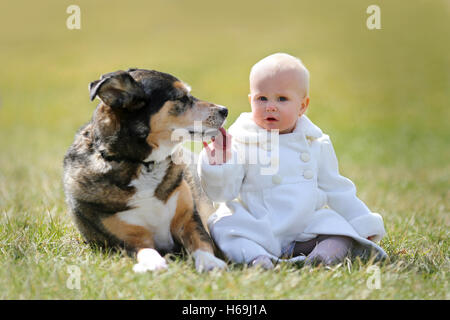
[281, 62]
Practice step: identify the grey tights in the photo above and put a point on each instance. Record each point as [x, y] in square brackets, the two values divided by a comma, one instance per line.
[324, 249]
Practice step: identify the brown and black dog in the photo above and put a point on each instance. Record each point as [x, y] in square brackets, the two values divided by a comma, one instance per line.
[121, 183]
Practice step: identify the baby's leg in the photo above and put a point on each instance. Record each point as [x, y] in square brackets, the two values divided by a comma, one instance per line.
[330, 250]
[306, 247]
[240, 250]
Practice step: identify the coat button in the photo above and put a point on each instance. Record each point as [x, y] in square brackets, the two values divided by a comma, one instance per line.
[276, 179]
[275, 161]
[305, 156]
[308, 174]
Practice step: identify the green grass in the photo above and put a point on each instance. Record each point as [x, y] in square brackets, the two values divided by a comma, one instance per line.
[382, 96]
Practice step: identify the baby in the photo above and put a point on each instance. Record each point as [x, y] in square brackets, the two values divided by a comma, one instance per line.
[303, 210]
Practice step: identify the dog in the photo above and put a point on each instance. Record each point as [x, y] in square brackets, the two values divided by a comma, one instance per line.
[122, 186]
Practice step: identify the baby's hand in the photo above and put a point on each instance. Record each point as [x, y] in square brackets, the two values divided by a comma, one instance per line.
[219, 151]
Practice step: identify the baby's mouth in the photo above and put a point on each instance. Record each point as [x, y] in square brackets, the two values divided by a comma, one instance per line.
[271, 119]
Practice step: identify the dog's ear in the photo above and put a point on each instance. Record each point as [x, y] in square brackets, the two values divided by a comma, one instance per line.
[118, 90]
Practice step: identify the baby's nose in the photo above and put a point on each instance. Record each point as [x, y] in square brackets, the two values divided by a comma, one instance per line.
[271, 108]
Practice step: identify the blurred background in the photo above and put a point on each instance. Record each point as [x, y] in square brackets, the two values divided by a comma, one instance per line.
[382, 95]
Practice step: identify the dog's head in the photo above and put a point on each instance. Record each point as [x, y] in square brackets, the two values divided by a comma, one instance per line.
[140, 109]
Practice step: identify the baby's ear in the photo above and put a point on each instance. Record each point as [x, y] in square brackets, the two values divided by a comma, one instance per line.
[305, 102]
[304, 106]
[249, 98]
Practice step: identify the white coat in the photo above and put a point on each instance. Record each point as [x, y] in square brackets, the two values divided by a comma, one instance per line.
[263, 214]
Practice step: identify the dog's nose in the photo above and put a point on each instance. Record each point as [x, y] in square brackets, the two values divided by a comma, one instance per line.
[223, 112]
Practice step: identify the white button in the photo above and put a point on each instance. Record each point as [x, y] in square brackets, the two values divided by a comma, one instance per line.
[275, 161]
[308, 174]
[305, 156]
[277, 179]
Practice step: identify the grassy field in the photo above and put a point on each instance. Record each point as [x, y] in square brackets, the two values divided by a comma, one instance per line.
[382, 95]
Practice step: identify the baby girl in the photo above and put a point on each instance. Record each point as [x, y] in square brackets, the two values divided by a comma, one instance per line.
[303, 210]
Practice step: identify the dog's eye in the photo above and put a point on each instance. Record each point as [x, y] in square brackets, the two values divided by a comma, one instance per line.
[181, 105]
[177, 109]
[184, 99]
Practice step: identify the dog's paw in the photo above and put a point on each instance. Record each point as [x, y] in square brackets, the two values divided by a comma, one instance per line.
[149, 260]
[205, 261]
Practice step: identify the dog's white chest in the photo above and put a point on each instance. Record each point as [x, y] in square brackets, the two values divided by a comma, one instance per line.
[149, 211]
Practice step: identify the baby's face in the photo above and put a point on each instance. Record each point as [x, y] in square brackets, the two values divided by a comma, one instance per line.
[277, 100]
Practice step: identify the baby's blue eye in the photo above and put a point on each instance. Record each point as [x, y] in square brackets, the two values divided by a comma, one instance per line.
[282, 99]
[262, 98]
